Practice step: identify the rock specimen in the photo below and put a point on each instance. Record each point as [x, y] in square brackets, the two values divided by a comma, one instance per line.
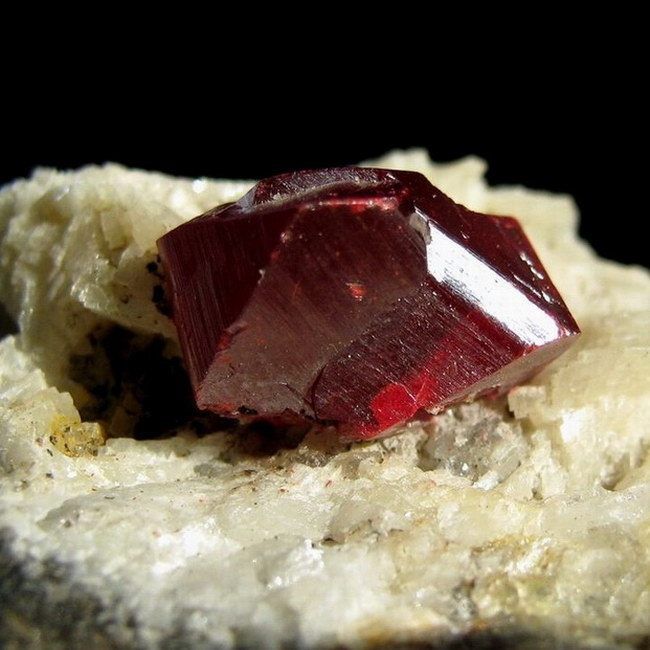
[525, 521]
[359, 297]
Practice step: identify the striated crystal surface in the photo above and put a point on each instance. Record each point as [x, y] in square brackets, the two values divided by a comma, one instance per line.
[360, 297]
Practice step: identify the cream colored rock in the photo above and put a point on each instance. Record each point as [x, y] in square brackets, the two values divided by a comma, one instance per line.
[74, 250]
[524, 518]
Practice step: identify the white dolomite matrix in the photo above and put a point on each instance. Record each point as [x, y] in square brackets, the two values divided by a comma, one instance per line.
[523, 519]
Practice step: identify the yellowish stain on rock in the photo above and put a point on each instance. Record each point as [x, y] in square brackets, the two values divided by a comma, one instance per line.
[76, 438]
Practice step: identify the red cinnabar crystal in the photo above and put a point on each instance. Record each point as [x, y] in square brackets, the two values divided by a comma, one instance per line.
[358, 297]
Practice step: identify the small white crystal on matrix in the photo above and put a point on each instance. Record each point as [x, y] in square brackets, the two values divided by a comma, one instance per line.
[519, 520]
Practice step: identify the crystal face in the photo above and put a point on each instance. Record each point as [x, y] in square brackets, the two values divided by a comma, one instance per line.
[358, 297]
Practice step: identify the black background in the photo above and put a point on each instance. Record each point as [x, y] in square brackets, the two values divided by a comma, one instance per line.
[567, 119]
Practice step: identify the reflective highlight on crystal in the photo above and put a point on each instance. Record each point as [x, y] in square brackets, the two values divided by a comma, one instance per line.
[357, 297]
[448, 262]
